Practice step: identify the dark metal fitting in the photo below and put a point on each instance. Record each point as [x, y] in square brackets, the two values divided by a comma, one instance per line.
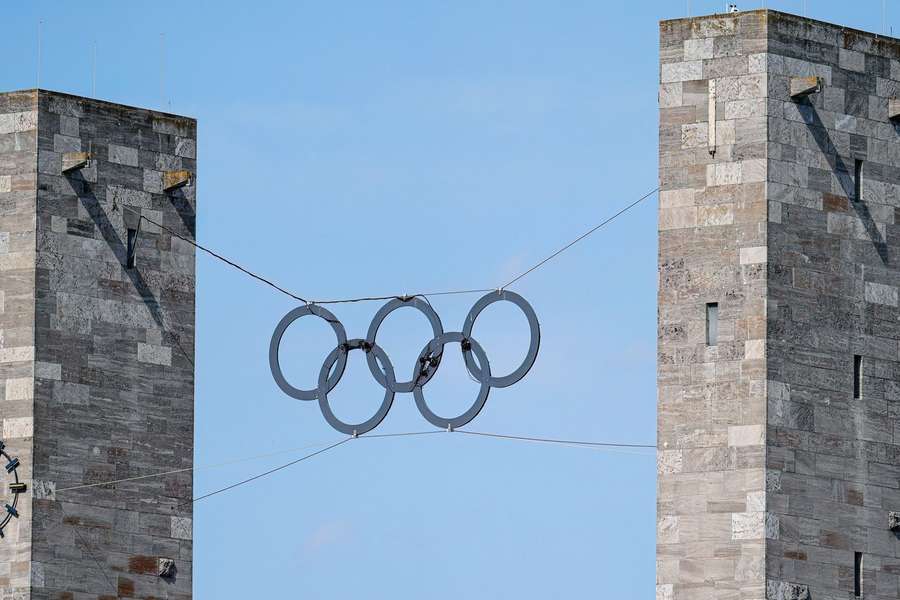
[466, 345]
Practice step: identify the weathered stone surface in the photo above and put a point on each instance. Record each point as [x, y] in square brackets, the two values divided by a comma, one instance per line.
[96, 363]
[182, 528]
[894, 520]
[783, 590]
[771, 473]
[801, 87]
[712, 249]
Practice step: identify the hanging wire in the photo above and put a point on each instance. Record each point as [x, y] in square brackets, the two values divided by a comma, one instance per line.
[188, 469]
[420, 295]
[563, 442]
[576, 443]
[306, 457]
[266, 473]
[579, 238]
[573, 443]
[299, 298]
[225, 260]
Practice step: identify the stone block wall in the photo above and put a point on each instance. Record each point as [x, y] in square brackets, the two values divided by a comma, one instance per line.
[18, 190]
[108, 382]
[817, 274]
[834, 271]
[712, 249]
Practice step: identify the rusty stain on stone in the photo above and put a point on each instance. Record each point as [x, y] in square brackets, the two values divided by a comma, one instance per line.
[125, 588]
[173, 180]
[143, 565]
[835, 203]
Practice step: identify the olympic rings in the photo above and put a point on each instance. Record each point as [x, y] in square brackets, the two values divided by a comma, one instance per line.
[388, 376]
[468, 345]
[533, 346]
[378, 319]
[426, 366]
[275, 366]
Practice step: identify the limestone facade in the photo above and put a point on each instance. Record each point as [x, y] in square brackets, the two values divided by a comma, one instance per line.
[96, 360]
[778, 469]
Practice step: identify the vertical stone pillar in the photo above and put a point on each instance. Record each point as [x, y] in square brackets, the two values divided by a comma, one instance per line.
[779, 468]
[18, 195]
[712, 249]
[97, 358]
[834, 271]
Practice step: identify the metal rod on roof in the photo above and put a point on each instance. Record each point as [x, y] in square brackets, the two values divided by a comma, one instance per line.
[162, 63]
[94, 70]
[40, 23]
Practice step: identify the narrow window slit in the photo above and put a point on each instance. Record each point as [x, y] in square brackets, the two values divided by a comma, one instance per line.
[712, 323]
[131, 248]
[857, 180]
[857, 574]
[857, 377]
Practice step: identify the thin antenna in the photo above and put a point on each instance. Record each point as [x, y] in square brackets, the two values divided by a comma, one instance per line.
[40, 24]
[162, 62]
[94, 71]
[884, 17]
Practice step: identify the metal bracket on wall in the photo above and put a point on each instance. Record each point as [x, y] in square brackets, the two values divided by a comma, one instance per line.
[801, 87]
[72, 161]
[894, 109]
[172, 180]
[133, 227]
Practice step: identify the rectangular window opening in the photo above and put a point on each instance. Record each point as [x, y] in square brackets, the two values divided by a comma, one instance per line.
[857, 180]
[857, 377]
[857, 574]
[131, 248]
[712, 323]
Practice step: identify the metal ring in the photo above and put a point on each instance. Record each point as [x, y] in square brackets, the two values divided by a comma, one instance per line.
[436, 327]
[275, 344]
[469, 346]
[15, 473]
[533, 346]
[340, 353]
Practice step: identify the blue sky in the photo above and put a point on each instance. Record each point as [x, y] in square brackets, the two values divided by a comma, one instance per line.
[399, 147]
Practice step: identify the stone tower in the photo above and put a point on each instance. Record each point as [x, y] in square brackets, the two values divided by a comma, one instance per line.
[779, 327]
[96, 358]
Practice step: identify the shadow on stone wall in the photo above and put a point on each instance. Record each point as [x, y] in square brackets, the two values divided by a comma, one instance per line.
[843, 173]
